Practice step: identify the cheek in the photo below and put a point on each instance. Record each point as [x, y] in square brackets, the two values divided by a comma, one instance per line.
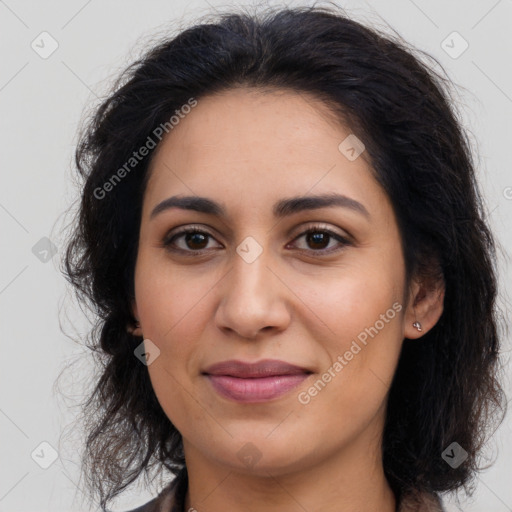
[171, 302]
[351, 299]
[171, 322]
[362, 310]
[171, 310]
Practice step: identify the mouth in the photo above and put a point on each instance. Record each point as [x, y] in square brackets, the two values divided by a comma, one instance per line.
[255, 382]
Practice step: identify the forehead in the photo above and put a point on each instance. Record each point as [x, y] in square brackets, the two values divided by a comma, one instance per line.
[241, 118]
[253, 143]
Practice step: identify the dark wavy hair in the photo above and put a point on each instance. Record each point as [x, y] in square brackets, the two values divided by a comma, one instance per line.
[446, 387]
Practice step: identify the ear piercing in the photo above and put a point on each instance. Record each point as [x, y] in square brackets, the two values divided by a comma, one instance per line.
[417, 325]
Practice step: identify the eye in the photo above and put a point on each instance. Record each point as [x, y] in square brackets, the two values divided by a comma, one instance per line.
[319, 238]
[194, 239]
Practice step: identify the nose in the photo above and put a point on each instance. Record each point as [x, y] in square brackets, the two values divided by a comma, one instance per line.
[253, 299]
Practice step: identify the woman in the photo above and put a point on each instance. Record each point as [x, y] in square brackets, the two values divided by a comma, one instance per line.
[281, 233]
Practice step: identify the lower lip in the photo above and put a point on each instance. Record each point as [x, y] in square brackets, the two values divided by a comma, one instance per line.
[255, 390]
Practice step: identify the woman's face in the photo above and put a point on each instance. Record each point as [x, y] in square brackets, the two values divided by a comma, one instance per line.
[252, 287]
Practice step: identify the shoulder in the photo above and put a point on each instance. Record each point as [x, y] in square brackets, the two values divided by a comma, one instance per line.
[148, 507]
[164, 502]
[421, 502]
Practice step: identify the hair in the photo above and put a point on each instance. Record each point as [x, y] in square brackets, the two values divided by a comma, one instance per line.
[445, 387]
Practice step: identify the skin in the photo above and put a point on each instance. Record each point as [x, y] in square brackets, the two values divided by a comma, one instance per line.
[248, 149]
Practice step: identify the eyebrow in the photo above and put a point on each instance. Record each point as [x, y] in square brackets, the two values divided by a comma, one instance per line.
[281, 209]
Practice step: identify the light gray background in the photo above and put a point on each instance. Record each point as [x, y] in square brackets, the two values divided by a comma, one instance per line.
[42, 102]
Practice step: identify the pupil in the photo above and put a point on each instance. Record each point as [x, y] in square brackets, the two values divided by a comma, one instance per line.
[318, 237]
[195, 235]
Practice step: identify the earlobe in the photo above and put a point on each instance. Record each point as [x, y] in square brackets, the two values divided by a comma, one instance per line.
[135, 330]
[424, 309]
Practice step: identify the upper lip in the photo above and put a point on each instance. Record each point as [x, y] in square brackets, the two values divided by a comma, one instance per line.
[264, 368]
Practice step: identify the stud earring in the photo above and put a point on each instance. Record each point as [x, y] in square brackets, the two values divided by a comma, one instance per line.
[417, 325]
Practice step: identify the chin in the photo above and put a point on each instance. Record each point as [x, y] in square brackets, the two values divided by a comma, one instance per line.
[263, 457]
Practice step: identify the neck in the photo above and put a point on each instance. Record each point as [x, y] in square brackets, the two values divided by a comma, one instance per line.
[350, 480]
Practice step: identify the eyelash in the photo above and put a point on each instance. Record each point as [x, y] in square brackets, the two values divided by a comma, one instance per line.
[168, 241]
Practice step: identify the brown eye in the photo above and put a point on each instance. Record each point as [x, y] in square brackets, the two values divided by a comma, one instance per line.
[318, 239]
[194, 240]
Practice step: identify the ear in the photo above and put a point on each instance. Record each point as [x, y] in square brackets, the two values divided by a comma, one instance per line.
[136, 331]
[425, 305]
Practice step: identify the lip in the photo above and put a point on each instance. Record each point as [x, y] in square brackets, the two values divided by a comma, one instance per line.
[255, 382]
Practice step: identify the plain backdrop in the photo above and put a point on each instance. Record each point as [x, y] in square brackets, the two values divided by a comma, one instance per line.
[48, 82]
